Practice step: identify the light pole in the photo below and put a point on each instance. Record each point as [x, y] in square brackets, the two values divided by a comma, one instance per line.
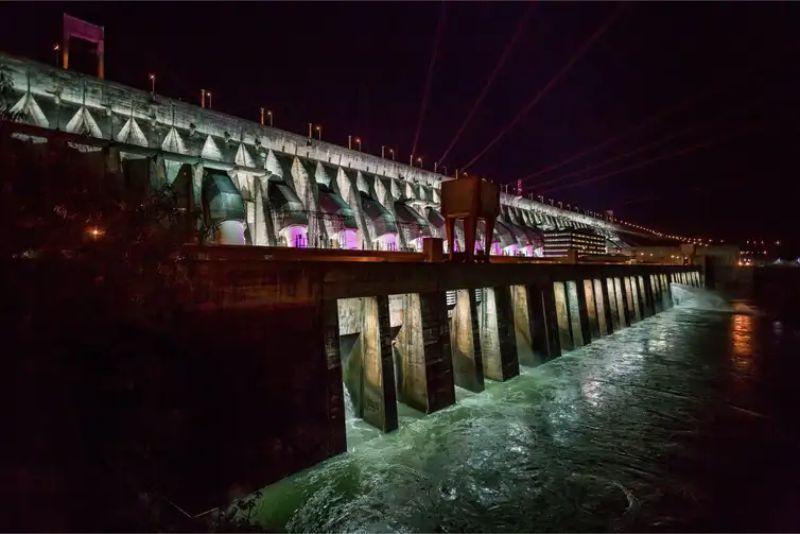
[391, 152]
[208, 94]
[318, 128]
[419, 160]
[269, 116]
[57, 52]
[358, 142]
[152, 78]
[435, 165]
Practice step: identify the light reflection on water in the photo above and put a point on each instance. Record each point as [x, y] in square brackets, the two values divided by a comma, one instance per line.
[620, 435]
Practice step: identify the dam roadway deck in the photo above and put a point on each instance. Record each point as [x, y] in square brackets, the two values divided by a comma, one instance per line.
[339, 274]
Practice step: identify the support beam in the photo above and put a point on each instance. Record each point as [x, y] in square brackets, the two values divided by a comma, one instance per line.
[465, 342]
[577, 312]
[667, 291]
[644, 300]
[631, 306]
[523, 326]
[562, 315]
[337, 434]
[425, 369]
[498, 344]
[613, 303]
[601, 306]
[366, 353]
[591, 309]
[623, 310]
[653, 290]
[542, 305]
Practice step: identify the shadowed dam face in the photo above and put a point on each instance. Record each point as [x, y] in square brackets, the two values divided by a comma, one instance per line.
[653, 427]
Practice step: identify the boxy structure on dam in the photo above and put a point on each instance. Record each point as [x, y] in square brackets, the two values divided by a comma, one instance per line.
[249, 364]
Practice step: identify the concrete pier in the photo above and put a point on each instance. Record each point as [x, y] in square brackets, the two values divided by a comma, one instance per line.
[425, 366]
[546, 340]
[497, 334]
[465, 343]
[265, 357]
[367, 363]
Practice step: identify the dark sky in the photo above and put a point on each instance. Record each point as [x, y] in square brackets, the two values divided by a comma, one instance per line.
[725, 75]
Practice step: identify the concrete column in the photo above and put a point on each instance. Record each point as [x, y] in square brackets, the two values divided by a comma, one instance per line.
[637, 298]
[498, 343]
[644, 300]
[562, 315]
[438, 351]
[591, 309]
[465, 342]
[600, 302]
[576, 314]
[653, 290]
[337, 434]
[624, 304]
[425, 379]
[632, 306]
[542, 309]
[613, 306]
[667, 291]
[523, 326]
[366, 351]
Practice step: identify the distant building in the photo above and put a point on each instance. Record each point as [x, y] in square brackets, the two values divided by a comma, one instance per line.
[558, 242]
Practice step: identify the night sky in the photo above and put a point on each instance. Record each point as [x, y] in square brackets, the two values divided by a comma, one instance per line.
[709, 91]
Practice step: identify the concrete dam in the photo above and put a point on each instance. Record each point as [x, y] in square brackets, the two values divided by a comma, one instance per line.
[257, 185]
[383, 333]
[302, 283]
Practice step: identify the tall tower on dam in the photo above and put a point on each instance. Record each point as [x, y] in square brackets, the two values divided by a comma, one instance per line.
[252, 184]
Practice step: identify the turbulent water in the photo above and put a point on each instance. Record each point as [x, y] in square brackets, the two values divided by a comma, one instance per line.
[684, 421]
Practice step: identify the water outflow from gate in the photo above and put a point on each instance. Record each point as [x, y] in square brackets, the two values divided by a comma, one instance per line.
[679, 422]
[698, 298]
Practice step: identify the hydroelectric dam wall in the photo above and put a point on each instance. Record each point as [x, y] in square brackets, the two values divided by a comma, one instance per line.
[253, 184]
[234, 377]
[394, 332]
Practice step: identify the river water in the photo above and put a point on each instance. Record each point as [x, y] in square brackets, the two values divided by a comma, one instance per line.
[684, 421]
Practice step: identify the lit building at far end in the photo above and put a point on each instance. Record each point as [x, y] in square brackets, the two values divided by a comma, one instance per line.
[557, 243]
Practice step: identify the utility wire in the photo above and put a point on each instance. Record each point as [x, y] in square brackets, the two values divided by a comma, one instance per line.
[649, 146]
[670, 155]
[523, 23]
[653, 144]
[720, 87]
[648, 121]
[427, 89]
[582, 50]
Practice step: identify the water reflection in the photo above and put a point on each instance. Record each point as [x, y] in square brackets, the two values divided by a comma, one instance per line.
[742, 342]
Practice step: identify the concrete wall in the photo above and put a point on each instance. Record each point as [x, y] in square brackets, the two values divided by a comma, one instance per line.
[141, 125]
[246, 365]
